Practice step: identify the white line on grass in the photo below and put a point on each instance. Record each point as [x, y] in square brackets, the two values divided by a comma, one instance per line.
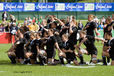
[2, 71]
[80, 66]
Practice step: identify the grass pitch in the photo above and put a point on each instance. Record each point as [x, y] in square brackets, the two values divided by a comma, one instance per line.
[8, 69]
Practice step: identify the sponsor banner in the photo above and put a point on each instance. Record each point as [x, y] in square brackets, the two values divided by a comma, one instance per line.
[29, 6]
[1, 6]
[57, 7]
[104, 6]
[13, 6]
[44, 6]
[60, 7]
[89, 7]
[74, 7]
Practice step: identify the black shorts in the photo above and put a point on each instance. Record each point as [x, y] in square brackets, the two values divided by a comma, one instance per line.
[106, 43]
[92, 51]
[50, 54]
[20, 54]
[70, 56]
[61, 46]
[34, 56]
[111, 53]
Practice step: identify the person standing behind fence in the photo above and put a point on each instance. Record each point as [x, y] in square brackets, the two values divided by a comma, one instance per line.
[12, 18]
[103, 20]
[7, 28]
[13, 31]
[2, 28]
[31, 27]
[80, 25]
[5, 16]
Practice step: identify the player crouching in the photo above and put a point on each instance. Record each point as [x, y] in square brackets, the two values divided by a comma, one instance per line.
[16, 52]
[37, 50]
[88, 41]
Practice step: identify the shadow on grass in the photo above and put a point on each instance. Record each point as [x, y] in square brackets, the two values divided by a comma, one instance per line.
[7, 62]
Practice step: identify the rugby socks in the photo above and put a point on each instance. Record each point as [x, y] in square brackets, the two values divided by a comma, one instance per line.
[99, 60]
[41, 60]
[68, 61]
[27, 61]
[108, 60]
[61, 59]
[81, 58]
[12, 58]
[104, 60]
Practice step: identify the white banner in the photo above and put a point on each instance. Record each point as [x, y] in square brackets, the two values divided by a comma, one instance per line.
[1, 6]
[60, 6]
[29, 7]
[89, 6]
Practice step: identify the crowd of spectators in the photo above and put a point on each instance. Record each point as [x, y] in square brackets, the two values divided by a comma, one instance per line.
[34, 24]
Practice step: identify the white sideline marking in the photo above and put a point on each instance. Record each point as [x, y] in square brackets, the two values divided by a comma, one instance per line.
[2, 71]
[80, 66]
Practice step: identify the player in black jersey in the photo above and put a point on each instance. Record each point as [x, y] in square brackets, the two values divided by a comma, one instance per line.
[91, 26]
[68, 50]
[60, 44]
[41, 50]
[111, 51]
[107, 36]
[11, 51]
[19, 50]
[50, 47]
[88, 41]
[34, 51]
[16, 52]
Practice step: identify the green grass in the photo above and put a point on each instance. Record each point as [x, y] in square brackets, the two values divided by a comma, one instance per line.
[8, 69]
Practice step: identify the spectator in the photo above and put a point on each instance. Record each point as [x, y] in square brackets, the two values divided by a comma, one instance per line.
[13, 29]
[25, 20]
[2, 29]
[4, 22]
[40, 19]
[96, 19]
[36, 27]
[7, 28]
[31, 27]
[36, 20]
[33, 19]
[5, 16]
[18, 25]
[12, 18]
[103, 20]
[29, 21]
[100, 26]
[80, 25]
